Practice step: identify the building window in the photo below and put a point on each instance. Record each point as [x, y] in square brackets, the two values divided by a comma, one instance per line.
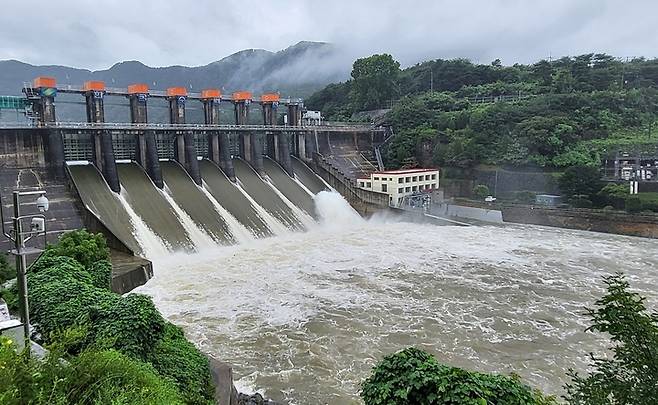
[384, 188]
[400, 180]
[415, 178]
[361, 184]
[434, 177]
[407, 190]
[407, 179]
[427, 177]
[376, 178]
[368, 185]
[400, 190]
[414, 188]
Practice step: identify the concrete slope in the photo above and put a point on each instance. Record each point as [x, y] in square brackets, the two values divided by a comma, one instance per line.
[307, 177]
[195, 203]
[288, 187]
[152, 207]
[232, 199]
[263, 194]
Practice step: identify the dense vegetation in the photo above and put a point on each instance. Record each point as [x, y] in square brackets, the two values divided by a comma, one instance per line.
[628, 377]
[116, 340]
[569, 111]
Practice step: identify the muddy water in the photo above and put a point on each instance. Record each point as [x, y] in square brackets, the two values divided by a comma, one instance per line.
[304, 316]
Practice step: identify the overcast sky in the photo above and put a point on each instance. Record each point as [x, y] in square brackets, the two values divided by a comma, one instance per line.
[95, 34]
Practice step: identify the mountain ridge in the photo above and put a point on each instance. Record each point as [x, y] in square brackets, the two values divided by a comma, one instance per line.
[297, 70]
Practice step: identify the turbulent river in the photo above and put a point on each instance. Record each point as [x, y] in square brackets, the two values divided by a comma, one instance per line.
[303, 317]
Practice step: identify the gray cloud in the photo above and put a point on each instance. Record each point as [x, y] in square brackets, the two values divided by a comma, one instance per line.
[96, 34]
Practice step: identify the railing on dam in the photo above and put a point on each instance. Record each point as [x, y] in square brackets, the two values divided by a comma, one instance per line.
[198, 127]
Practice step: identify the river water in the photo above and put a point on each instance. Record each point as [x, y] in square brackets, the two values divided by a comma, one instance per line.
[303, 317]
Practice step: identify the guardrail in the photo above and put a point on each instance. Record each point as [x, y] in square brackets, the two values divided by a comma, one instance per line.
[199, 127]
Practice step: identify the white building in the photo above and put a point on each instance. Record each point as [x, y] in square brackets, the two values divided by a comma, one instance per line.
[312, 118]
[401, 183]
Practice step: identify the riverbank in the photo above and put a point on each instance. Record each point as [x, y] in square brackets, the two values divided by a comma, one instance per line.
[596, 220]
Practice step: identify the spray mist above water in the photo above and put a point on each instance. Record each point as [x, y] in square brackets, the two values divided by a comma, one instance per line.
[334, 210]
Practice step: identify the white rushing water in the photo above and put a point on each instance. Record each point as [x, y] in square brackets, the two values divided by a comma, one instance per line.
[200, 239]
[152, 246]
[304, 316]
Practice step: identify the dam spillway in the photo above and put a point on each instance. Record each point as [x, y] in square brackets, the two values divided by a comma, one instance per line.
[184, 216]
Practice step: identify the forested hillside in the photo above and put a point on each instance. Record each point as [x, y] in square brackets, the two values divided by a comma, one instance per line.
[556, 114]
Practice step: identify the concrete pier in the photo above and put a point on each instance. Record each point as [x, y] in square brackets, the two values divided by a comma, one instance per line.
[185, 152]
[218, 142]
[147, 151]
[251, 147]
[103, 149]
[277, 144]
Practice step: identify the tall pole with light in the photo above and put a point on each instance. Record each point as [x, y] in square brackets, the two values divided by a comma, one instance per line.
[19, 238]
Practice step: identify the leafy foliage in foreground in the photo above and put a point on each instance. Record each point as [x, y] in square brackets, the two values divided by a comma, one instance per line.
[7, 271]
[630, 376]
[67, 296]
[87, 248]
[413, 376]
[93, 377]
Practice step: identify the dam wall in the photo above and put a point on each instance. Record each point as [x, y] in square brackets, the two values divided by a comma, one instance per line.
[621, 223]
[365, 202]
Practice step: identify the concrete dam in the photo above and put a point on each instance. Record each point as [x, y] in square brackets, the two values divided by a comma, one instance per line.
[156, 188]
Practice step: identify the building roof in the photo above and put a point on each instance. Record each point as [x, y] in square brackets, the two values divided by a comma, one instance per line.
[399, 172]
[406, 171]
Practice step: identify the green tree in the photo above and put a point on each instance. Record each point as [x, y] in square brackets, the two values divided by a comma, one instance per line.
[375, 80]
[581, 180]
[630, 376]
[481, 191]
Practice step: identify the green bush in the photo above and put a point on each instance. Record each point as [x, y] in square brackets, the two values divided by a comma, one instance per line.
[525, 197]
[131, 325]
[481, 191]
[633, 204]
[614, 195]
[178, 359]
[581, 201]
[413, 376]
[106, 377]
[630, 375]
[73, 308]
[650, 206]
[101, 274]
[7, 271]
[87, 248]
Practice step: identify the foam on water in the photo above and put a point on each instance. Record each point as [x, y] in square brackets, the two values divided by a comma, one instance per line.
[304, 316]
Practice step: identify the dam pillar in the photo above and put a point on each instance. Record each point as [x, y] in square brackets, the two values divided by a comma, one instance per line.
[251, 146]
[185, 151]
[44, 90]
[103, 149]
[295, 120]
[94, 94]
[147, 151]
[218, 142]
[278, 146]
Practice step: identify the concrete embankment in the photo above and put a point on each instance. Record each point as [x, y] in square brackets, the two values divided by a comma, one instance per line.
[644, 225]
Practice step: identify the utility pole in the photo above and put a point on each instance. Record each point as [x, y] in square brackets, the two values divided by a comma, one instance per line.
[18, 237]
